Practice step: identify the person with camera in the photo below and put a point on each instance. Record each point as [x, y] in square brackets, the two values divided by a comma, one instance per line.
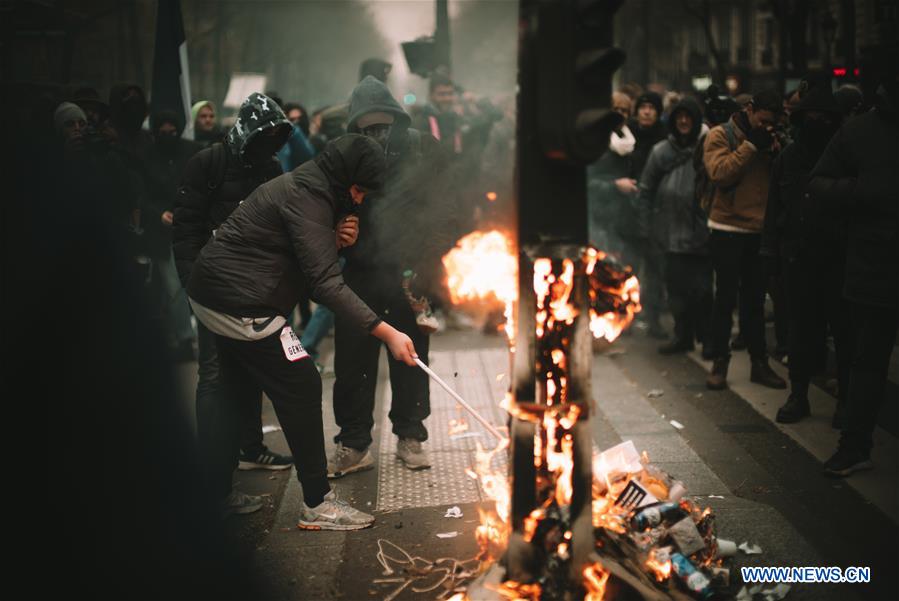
[737, 157]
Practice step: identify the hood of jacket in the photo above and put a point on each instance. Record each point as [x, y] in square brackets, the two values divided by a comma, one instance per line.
[371, 95]
[257, 114]
[692, 108]
[350, 159]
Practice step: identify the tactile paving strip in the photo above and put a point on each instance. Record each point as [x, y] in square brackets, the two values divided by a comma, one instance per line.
[474, 375]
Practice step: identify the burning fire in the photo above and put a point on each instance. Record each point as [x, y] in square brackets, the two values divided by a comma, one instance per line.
[483, 267]
[595, 580]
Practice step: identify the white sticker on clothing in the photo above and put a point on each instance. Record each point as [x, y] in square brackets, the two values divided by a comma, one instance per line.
[293, 350]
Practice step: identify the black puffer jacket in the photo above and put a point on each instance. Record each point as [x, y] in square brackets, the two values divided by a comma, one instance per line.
[218, 178]
[281, 239]
[859, 176]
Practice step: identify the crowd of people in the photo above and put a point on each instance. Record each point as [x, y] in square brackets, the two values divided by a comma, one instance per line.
[716, 202]
[231, 235]
[720, 202]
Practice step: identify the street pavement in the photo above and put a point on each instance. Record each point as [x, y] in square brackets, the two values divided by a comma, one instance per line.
[762, 479]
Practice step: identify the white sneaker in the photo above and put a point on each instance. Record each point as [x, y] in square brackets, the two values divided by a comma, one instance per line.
[333, 514]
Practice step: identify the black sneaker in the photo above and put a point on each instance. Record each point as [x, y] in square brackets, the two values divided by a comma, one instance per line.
[793, 410]
[265, 460]
[847, 461]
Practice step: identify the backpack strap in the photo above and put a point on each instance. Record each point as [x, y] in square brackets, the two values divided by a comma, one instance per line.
[728, 127]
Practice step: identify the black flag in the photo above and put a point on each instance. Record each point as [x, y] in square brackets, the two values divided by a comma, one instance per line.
[170, 89]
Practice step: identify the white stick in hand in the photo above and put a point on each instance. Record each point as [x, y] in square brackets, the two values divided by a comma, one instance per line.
[469, 408]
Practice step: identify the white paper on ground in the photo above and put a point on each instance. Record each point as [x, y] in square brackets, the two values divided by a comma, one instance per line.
[452, 534]
[777, 593]
[655, 393]
[749, 549]
[622, 458]
[676, 424]
[268, 429]
[453, 512]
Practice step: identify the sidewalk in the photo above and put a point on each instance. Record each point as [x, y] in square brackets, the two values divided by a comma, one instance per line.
[731, 456]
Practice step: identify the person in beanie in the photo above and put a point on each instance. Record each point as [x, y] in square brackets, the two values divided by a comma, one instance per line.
[648, 130]
[282, 239]
[858, 176]
[807, 247]
[668, 208]
[738, 156]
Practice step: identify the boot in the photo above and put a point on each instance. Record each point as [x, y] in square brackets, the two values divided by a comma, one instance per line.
[762, 373]
[717, 379]
[793, 410]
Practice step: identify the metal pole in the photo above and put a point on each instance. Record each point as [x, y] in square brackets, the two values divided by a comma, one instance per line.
[490, 428]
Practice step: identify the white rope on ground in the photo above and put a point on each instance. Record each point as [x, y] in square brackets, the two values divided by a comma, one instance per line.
[415, 568]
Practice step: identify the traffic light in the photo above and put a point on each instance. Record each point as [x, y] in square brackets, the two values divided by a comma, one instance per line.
[575, 60]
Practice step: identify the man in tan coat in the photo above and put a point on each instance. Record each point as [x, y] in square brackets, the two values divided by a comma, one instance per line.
[738, 156]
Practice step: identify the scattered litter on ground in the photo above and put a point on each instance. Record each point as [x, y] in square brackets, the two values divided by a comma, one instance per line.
[726, 548]
[267, 429]
[419, 573]
[750, 549]
[676, 424]
[655, 393]
[699, 395]
[453, 512]
[452, 534]
[746, 594]
[716, 497]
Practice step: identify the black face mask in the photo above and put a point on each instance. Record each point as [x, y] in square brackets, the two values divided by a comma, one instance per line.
[380, 133]
[167, 142]
[261, 149]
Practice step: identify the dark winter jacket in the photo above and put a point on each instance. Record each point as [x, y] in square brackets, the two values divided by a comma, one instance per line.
[666, 205]
[609, 209]
[858, 175]
[795, 227]
[217, 179]
[165, 165]
[280, 242]
[409, 224]
[646, 140]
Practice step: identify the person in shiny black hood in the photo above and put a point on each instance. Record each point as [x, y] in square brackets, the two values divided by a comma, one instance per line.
[215, 181]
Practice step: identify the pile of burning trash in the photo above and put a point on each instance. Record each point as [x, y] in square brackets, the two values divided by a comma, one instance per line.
[651, 542]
